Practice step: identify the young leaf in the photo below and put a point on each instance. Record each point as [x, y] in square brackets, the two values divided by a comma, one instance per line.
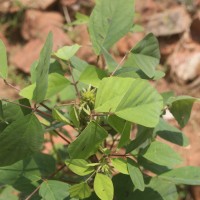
[184, 175]
[135, 174]
[162, 154]
[56, 83]
[92, 75]
[3, 61]
[79, 166]
[80, 19]
[110, 20]
[120, 165]
[81, 190]
[81, 148]
[170, 133]
[66, 52]
[103, 187]
[42, 70]
[134, 100]
[54, 190]
[59, 117]
[20, 139]
[181, 108]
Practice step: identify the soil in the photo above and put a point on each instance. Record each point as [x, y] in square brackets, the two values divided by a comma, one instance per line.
[24, 27]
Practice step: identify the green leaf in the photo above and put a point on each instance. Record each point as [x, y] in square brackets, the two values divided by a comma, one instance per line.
[121, 126]
[145, 55]
[32, 168]
[111, 64]
[20, 139]
[157, 189]
[106, 25]
[120, 165]
[162, 154]
[81, 190]
[66, 52]
[54, 190]
[42, 70]
[150, 166]
[103, 187]
[1, 111]
[9, 193]
[81, 148]
[3, 61]
[170, 133]
[181, 108]
[184, 175]
[80, 19]
[143, 134]
[59, 117]
[92, 75]
[135, 174]
[79, 166]
[134, 100]
[56, 83]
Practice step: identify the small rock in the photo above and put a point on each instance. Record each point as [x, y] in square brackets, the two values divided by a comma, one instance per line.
[169, 22]
[5, 6]
[185, 67]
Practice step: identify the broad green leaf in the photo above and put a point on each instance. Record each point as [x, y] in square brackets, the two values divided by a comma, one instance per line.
[33, 71]
[9, 193]
[143, 134]
[12, 112]
[1, 111]
[79, 166]
[145, 55]
[134, 100]
[135, 174]
[3, 61]
[137, 28]
[56, 83]
[81, 148]
[119, 181]
[170, 133]
[42, 70]
[181, 108]
[92, 75]
[153, 167]
[32, 168]
[162, 154]
[66, 52]
[78, 64]
[81, 190]
[121, 126]
[120, 165]
[157, 189]
[20, 139]
[166, 96]
[111, 64]
[59, 117]
[54, 190]
[184, 175]
[106, 25]
[103, 187]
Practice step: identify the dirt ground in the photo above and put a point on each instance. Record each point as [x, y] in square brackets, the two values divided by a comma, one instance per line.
[176, 23]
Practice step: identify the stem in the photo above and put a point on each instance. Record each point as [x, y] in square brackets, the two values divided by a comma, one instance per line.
[120, 63]
[51, 176]
[33, 109]
[10, 85]
[64, 138]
